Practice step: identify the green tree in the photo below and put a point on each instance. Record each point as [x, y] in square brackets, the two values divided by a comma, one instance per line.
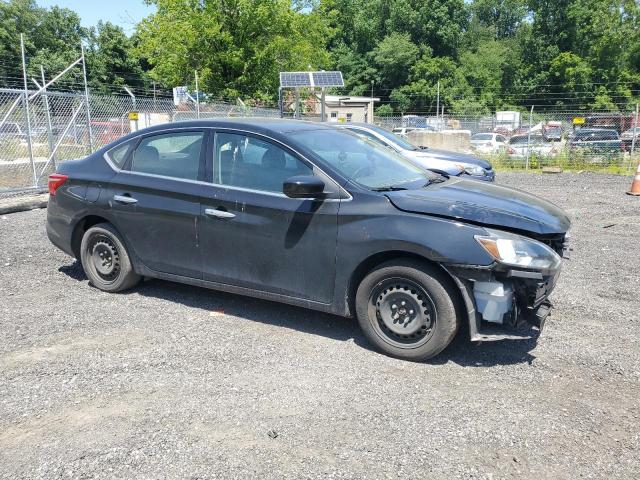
[503, 17]
[112, 60]
[385, 110]
[394, 56]
[237, 46]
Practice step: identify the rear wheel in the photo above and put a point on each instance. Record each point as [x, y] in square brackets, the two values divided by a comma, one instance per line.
[105, 259]
[407, 309]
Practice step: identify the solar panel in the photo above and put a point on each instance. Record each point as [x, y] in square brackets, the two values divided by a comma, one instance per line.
[295, 79]
[311, 79]
[327, 79]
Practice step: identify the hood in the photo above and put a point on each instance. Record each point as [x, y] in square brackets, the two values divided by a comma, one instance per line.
[484, 203]
[430, 163]
[450, 156]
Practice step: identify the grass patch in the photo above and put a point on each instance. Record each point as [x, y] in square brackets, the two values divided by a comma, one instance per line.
[568, 162]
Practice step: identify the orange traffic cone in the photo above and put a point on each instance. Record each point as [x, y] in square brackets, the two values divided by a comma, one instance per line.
[635, 185]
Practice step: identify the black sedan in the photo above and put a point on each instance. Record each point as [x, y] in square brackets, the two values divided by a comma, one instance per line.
[304, 214]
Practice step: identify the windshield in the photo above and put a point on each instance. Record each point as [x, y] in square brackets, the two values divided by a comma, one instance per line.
[482, 136]
[523, 140]
[362, 161]
[401, 142]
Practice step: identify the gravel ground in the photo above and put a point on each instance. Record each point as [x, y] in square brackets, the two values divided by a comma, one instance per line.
[171, 381]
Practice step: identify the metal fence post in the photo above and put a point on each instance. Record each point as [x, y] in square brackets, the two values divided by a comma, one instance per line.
[86, 98]
[26, 111]
[529, 138]
[49, 125]
[635, 131]
[197, 95]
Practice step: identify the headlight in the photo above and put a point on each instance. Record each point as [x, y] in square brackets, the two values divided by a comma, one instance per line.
[518, 251]
[472, 169]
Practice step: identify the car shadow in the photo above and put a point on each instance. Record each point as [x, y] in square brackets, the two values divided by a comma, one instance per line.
[461, 351]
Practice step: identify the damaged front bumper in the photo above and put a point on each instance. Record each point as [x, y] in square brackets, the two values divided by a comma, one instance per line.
[504, 303]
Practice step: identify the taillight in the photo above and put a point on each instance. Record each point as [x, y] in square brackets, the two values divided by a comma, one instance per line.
[511, 151]
[56, 180]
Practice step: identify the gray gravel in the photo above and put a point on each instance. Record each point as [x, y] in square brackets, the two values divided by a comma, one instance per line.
[171, 381]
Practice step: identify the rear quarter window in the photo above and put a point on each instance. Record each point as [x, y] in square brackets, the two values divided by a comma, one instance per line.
[118, 154]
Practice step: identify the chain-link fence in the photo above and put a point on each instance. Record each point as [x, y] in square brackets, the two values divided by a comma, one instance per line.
[39, 131]
[575, 140]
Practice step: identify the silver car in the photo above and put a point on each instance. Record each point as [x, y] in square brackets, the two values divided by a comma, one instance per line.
[451, 163]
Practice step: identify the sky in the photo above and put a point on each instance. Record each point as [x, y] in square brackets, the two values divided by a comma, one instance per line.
[125, 13]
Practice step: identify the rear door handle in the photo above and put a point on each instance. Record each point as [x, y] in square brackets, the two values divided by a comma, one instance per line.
[125, 199]
[214, 212]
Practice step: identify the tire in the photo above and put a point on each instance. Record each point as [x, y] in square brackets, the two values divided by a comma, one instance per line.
[422, 326]
[105, 259]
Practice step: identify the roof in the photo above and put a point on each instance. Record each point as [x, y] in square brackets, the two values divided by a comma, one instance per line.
[258, 123]
[273, 127]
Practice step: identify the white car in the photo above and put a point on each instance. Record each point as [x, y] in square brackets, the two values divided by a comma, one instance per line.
[488, 142]
[538, 145]
[403, 131]
[627, 138]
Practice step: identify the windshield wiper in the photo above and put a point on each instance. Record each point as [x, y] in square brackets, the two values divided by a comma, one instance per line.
[388, 188]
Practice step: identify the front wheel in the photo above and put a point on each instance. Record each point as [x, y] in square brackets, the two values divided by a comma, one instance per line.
[105, 259]
[407, 309]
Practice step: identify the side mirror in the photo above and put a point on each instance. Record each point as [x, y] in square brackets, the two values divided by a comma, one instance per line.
[303, 186]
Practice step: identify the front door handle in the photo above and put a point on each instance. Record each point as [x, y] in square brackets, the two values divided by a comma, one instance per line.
[214, 212]
[126, 199]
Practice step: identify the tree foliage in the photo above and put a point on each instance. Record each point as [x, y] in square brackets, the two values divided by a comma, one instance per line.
[237, 46]
[52, 40]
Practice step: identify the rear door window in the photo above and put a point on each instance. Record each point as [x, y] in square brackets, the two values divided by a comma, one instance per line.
[170, 155]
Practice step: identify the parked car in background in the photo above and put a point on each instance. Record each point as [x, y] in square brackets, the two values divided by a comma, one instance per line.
[553, 130]
[107, 131]
[313, 216]
[596, 143]
[628, 136]
[538, 145]
[620, 122]
[504, 131]
[451, 163]
[403, 131]
[488, 142]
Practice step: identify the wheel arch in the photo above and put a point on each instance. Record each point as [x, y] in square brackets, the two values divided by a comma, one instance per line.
[376, 259]
[81, 226]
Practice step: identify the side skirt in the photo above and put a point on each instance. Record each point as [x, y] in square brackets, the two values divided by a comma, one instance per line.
[249, 292]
